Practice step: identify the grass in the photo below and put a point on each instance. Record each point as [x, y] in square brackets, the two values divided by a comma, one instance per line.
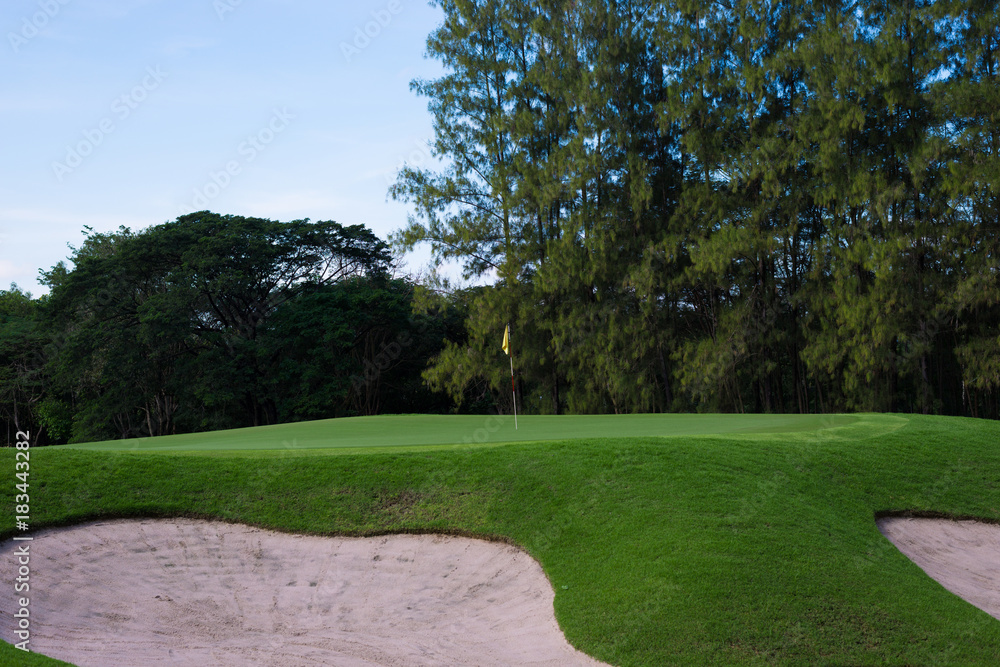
[754, 544]
[386, 433]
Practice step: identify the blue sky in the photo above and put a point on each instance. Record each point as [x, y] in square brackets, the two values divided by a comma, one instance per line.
[131, 112]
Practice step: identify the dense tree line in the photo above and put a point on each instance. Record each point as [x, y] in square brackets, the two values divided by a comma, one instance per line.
[739, 205]
[734, 206]
[213, 322]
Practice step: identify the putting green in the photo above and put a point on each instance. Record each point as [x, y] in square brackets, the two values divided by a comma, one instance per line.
[449, 430]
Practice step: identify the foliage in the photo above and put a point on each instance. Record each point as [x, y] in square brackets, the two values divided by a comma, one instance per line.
[764, 206]
[352, 347]
[22, 378]
[215, 321]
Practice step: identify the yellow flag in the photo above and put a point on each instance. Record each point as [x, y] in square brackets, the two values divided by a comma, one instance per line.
[506, 340]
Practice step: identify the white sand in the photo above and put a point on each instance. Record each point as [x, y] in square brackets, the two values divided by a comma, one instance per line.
[963, 556]
[181, 592]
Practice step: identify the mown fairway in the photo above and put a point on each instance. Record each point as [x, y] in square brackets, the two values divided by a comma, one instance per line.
[753, 545]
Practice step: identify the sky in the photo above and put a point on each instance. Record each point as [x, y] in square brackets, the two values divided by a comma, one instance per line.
[134, 112]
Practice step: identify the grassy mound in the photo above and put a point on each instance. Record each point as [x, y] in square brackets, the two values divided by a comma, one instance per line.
[753, 545]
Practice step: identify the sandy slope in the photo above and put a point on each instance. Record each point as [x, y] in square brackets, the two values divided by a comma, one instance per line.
[181, 592]
[963, 556]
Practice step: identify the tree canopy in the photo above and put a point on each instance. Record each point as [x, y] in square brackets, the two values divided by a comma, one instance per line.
[773, 206]
[216, 321]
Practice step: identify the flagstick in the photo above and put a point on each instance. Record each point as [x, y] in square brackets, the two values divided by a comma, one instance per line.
[513, 394]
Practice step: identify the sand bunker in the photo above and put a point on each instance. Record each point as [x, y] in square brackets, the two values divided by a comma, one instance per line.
[181, 592]
[963, 556]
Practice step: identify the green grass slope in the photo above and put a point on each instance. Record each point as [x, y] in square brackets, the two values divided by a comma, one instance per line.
[444, 430]
[748, 548]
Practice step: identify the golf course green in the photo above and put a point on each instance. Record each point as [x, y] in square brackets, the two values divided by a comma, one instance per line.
[669, 539]
[390, 432]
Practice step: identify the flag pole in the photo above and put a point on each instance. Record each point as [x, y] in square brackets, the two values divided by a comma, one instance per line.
[506, 349]
[513, 394]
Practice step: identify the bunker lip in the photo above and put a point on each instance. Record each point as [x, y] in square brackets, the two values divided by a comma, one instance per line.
[963, 555]
[191, 592]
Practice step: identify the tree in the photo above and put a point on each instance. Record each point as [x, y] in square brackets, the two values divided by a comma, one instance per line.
[727, 206]
[161, 328]
[354, 347]
[22, 380]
